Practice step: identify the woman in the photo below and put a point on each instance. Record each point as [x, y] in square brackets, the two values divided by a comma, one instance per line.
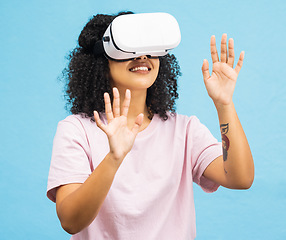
[123, 164]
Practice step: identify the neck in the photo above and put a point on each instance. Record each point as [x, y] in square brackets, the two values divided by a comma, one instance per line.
[137, 106]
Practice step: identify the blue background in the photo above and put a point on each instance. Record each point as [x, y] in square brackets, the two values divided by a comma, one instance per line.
[37, 35]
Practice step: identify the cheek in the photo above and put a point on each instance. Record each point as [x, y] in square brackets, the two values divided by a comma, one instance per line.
[157, 72]
[116, 70]
[157, 65]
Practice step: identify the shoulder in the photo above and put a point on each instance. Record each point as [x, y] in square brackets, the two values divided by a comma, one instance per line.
[178, 124]
[76, 121]
[180, 119]
[75, 125]
[189, 126]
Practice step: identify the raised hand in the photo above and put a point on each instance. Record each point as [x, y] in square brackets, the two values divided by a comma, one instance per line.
[221, 83]
[120, 137]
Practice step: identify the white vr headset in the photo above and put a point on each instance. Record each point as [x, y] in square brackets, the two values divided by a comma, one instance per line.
[134, 35]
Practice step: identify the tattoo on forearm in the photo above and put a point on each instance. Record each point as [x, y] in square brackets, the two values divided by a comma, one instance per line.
[225, 141]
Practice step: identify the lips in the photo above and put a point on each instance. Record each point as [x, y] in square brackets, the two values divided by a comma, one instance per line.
[135, 69]
[140, 67]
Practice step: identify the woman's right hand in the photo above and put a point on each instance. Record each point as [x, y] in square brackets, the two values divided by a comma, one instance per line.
[120, 137]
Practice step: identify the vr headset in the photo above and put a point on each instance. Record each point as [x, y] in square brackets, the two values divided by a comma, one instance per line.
[133, 35]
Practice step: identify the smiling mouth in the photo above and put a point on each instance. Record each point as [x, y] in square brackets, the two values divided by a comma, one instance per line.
[140, 69]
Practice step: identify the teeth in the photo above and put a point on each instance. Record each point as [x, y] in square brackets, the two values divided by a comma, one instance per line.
[139, 69]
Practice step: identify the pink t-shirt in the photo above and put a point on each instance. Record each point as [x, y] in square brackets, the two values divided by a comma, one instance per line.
[151, 196]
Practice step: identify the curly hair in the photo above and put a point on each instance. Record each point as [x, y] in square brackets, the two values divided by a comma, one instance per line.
[87, 75]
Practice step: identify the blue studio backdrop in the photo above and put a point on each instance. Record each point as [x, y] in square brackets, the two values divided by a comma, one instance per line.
[37, 35]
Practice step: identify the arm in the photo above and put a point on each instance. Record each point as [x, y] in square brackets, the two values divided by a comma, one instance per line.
[78, 204]
[235, 169]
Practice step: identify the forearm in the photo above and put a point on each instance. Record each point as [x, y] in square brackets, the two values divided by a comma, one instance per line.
[237, 157]
[79, 208]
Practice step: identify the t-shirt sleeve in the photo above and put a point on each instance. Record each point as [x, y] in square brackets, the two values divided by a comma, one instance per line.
[204, 149]
[70, 162]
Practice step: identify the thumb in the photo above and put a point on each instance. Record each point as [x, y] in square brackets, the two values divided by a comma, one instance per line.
[205, 70]
[137, 124]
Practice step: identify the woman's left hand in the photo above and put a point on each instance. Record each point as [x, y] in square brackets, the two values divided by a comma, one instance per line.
[221, 83]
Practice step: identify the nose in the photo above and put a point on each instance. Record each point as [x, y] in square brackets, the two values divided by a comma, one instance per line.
[144, 57]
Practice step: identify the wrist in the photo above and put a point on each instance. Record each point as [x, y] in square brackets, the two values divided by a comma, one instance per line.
[221, 107]
[113, 160]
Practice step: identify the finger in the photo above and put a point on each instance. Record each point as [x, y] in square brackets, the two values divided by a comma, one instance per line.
[126, 103]
[214, 53]
[99, 123]
[240, 62]
[108, 109]
[230, 60]
[116, 103]
[138, 124]
[223, 49]
[205, 70]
